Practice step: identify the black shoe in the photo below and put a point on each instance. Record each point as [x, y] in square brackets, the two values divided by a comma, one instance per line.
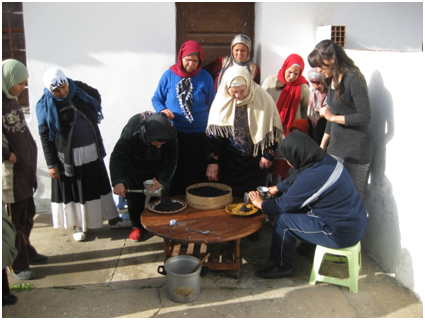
[9, 299]
[38, 259]
[254, 237]
[307, 250]
[275, 272]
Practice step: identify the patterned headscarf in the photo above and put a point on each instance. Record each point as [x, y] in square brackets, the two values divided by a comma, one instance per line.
[230, 61]
[316, 98]
[13, 72]
[263, 120]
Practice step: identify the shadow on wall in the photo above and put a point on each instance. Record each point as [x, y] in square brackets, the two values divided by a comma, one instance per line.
[382, 239]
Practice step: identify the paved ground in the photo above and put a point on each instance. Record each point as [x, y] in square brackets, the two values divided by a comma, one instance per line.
[110, 276]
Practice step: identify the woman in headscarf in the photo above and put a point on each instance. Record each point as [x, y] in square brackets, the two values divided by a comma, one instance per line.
[289, 90]
[185, 94]
[19, 157]
[319, 205]
[240, 55]
[348, 113]
[68, 115]
[243, 132]
[147, 149]
[316, 102]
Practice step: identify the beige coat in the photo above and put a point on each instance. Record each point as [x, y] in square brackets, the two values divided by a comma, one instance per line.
[274, 87]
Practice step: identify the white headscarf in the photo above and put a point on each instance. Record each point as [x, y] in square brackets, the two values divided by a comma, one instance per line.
[54, 78]
[263, 119]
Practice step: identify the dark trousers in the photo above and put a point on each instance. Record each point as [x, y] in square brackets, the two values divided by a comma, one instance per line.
[136, 205]
[289, 228]
[22, 214]
[5, 283]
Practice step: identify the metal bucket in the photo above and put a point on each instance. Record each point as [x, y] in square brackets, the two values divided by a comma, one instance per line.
[182, 286]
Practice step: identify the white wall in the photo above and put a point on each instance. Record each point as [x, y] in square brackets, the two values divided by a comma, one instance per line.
[395, 82]
[123, 49]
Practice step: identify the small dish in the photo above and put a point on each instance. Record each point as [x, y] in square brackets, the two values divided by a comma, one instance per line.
[235, 209]
[152, 206]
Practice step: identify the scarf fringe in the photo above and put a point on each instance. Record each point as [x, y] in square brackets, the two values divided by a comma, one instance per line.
[223, 131]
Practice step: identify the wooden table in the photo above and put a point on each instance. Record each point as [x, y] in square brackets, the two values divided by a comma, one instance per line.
[223, 242]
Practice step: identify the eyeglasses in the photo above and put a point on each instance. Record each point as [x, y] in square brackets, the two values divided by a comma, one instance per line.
[315, 82]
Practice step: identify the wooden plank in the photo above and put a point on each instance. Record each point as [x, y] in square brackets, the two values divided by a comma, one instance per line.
[190, 249]
[176, 249]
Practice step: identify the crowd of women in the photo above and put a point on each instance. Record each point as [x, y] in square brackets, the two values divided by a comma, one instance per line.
[211, 123]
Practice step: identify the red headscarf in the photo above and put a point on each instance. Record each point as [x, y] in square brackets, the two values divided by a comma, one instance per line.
[188, 48]
[290, 97]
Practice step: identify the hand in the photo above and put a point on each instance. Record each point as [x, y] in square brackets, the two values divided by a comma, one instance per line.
[54, 173]
[155, 185]
[168, 113]
[212, 172]
[255, 198]
[13, 158]
[119, 189]
[265, 164]
[326, 113]
[273, 190]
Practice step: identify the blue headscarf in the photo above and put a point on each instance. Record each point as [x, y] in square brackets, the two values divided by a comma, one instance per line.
[47, 114]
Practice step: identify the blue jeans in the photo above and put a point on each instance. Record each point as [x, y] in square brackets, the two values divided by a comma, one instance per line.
[290, 227]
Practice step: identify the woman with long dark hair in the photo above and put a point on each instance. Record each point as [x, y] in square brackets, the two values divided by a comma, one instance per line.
[347, 135]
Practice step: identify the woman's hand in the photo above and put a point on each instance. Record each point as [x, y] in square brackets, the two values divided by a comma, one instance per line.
[119, 189]
[328, 115]
[12, 157]
[255, 198]
[273, 190]
[54, 173]
[155, 185]
[168, 113]
[265, 164]
[212, 172]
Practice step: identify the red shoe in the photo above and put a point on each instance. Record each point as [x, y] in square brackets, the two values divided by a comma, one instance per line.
[136, 235]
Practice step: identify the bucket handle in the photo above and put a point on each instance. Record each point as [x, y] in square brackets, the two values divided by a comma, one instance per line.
[163, 272]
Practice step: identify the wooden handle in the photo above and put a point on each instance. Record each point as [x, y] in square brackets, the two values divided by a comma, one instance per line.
[201, 262]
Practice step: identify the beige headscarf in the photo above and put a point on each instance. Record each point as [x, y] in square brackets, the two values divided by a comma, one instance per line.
[264, 122]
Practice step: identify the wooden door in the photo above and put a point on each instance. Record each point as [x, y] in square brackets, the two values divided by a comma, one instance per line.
[213, 25]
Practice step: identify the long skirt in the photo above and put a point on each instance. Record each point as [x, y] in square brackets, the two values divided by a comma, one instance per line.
[239, 171]
[84, 200]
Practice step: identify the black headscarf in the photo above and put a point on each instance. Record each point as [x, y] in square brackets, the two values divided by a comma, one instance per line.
[157, 128]
[301, 151]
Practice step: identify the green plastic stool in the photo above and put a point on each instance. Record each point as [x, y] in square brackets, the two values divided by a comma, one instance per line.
[352, 255]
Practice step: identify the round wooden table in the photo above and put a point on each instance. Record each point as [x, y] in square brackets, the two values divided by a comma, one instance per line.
[226, 228]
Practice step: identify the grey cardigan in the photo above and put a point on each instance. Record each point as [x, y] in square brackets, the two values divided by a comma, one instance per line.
[353, 141]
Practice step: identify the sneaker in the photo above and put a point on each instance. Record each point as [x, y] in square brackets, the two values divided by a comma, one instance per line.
[26, 274]
[38, 259]
[120, 223]
[9, 299]
[79, 235]
[136, 235]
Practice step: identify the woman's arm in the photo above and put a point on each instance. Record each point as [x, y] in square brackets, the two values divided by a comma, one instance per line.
[325, 141]
[159, 99]
[305, 94]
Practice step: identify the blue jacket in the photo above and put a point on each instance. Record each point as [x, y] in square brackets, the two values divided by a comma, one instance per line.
[165, 97]
[340, 206]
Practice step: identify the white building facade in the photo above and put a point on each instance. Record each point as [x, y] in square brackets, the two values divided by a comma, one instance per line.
[122, 49]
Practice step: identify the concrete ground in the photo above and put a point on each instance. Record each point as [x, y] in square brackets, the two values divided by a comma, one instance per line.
[109, 276]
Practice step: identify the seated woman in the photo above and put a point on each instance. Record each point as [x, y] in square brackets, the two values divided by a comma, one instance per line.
[242, 134]
[289, 90]
[319, 205]
[240, 55]
[317, 101]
